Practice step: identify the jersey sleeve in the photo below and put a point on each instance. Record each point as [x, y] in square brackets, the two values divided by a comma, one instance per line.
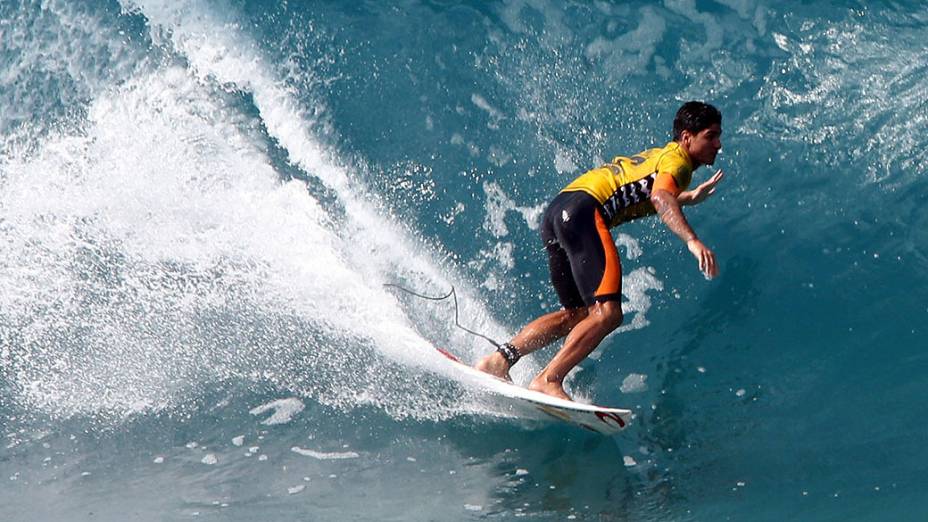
[665, 181]
[676, 168]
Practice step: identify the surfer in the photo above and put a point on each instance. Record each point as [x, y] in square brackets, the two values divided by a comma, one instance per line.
[582, 257]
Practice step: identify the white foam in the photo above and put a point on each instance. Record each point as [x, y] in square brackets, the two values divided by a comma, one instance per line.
[499, 204]
[631, 51]
[58, 55]
[633, 248]
[322, 455]
[175, 190]
[167, 197]
[635, 287]
[743, 7]
[149, 182]
[217, 48]
[495, 114]
[634, 383]
[555, 30]
[781, 40]
[713, 29]
[284, 410]
[564, 162]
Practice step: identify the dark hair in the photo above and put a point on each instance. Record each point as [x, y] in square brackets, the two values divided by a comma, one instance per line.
[695, 116]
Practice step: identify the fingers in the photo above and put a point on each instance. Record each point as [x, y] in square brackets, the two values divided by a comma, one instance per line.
[705, 258]
[707, 263]
[715, 178]
[707, 188]
[712, 269]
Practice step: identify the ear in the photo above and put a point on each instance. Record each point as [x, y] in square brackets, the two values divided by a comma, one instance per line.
[685, 137]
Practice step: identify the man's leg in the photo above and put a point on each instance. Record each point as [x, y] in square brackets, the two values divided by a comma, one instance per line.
[587, 276]
[602, 319]
[536, 334]
[597, 271]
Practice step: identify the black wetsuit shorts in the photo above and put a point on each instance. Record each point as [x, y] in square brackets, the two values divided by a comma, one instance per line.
[582, 256]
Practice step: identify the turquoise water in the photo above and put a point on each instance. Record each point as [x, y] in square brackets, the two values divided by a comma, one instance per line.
[200, 203]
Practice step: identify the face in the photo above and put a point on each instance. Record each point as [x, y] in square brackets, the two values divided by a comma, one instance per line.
[704, 145]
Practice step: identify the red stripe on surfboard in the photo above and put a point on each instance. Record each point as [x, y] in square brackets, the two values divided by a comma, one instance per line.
[603, 415]
[448, 354]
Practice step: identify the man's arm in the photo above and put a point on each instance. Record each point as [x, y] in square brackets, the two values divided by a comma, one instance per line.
[668, 208]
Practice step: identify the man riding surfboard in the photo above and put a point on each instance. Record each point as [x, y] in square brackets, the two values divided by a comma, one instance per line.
[582, 257]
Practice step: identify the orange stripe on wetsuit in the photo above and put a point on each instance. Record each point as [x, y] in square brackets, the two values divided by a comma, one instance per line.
[611, 282]
[612, 274]
[582, 257]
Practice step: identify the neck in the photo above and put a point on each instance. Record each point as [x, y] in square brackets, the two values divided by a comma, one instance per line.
[682, 145]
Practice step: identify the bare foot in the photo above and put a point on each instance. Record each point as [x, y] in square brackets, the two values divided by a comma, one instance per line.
[552, 388]
[496, 365]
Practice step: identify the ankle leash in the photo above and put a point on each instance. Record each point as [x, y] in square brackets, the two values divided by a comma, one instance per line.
[510, 353]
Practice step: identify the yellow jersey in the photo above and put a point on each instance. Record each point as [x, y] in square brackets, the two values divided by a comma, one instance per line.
[623, 187]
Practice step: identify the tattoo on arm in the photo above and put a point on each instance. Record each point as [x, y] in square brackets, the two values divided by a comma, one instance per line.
[668, 208]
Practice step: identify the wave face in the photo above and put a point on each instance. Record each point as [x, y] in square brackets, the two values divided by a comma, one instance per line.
[201, 203]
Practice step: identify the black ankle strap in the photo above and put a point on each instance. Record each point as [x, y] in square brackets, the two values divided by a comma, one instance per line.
[510, 353]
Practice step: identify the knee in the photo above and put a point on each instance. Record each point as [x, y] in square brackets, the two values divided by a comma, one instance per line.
[575, 315]
[609, 315]
[616, 318]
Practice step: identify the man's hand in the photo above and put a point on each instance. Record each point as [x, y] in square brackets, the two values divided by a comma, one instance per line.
[701, 192]
[704, 256]
[668, 208]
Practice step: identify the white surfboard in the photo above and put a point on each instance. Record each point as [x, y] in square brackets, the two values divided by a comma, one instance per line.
[525, 403]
